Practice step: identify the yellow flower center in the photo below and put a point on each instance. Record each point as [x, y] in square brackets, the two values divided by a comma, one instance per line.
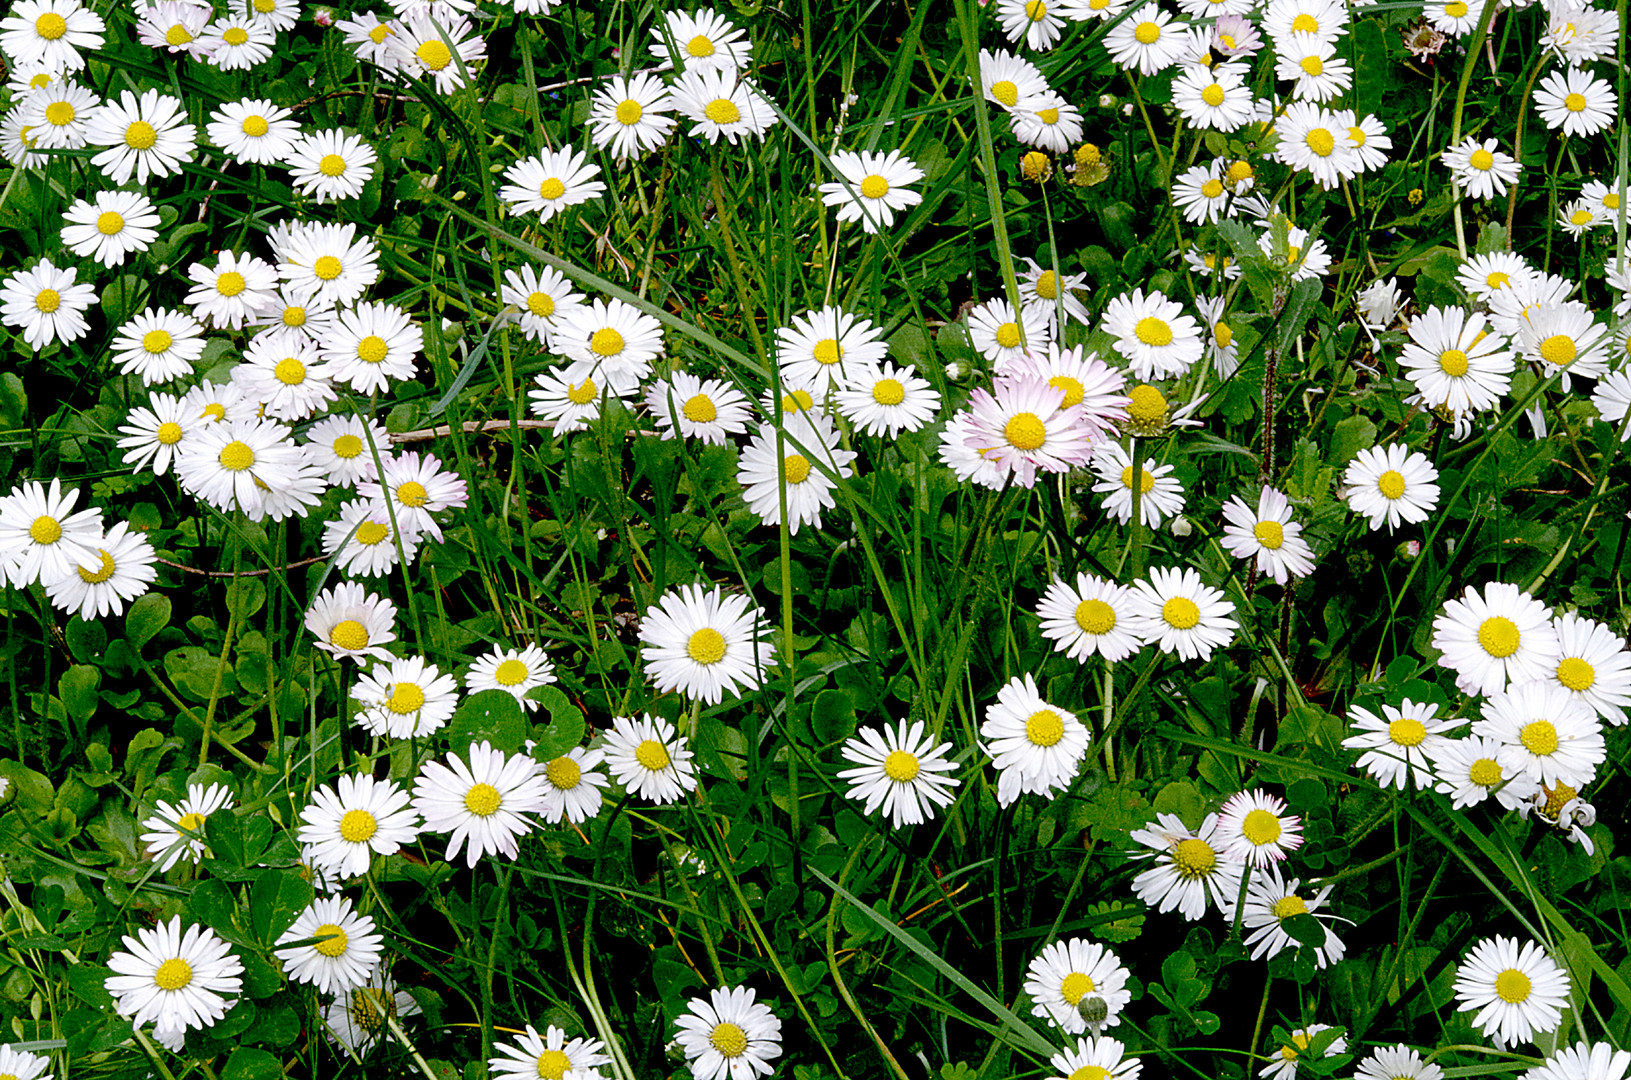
[215, 411]
[874, 187]
[730, 1040]
[583, 393]
[335, 940]
[378, 34]
[1074, 987]
[700, 409]
[358, 827]
[1321, 141]
[1453, 362]
[290, 372]
[370, 533]
[1005, 92]
[1287, 906]
[406, 699]
[1213, 96]
[1539, 737]
[1390, 484]
[1260, 827]
[1485, 772]
[327, 267]
[1407, 731]
[1008, 335]
[1512, 986]
[1147, 33]
[1181, 613]
[797, 401]
[1611, 201]
[1095, 617]
[563, 773]
[1073, 389]
[483, 800]
[48, 301]
[606, 342]
[1558, 349]
[552, 1065]
[1482, 160]
[1497, 280]
[1146, 480]
[230, 283]
[1305, 23]
[59, 113]
[700, 46]
[1575, 102]
[190, 822]
[1147, 406]
[629, 112]
[1499, 636]
[1240, 171]
[797, 467]
[1271, 534]
[96, 577]
[45, 530]
[1048, 116]
[294, 316]
[1036, 10]
[177, 36]
[1045, 728]
[169, 433]
[1193, 859]
[888, 392]
[331, 165]
[827, 351]
[350, 635]
[50, 26]
[722, 111]
[141, 136]
[552, 189]
[236, 35]
[173, 974]
[1581, 217]
[1025, 431]
[237, 456]
[1152, 331]
[1312, 65]
[347, 447]
[109, 223]
[706, 646]
[900, 766]
[1090, 1072]
[541, 304]
[1575, 673]
[434, 55]
[510, 673]
[372, 349]
[652, 755]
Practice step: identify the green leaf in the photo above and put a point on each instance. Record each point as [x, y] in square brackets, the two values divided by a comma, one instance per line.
[1352, 435]
[146, 617]
[491, 716]
[565, 728]
[247, 1063]
[78, 690]
[276, 898]
[832, 717]
[1182, 798]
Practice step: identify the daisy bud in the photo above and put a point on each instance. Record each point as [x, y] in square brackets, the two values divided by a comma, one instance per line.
[323, 16]
[1408, 551]
[1094, 1010]
[1181, 527]
[1107, 101]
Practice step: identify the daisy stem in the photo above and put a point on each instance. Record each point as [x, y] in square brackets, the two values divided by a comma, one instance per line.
[1134, 556]
[838, 980]
[389, 1013]
[1109, 721]
[1467, 67]
[1517, 144]
[153, 1055]
[221, 665]
[1155, 143]
[1240, 908]
[1262, 1011]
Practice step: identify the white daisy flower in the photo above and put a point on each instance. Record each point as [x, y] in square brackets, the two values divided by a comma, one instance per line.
[572, 787]
[1481, 168]
[178, 980]
[702, 643]
[352, 623]
[1454, 17]
[872, 187]
[1397, 1063]
[371, 346]
[1200, 194]
[884, 401]
[152, 434]
[1004, 338]
[550, 1055]
[1543, 732]
[211, 403]
[1088, 383]
[175, 830]
[1370, 138]
[174, 26]
[1469, 771]
[284, 372]
[233, 291]
[405, 698]
[1285, 1067]
[1565, 338]
[1190, 870]
[1576, 101]
[821, 348]
[1157, 338]
[110, 226]
[1513, 308]
[1518, 992]
[42, 538]
[362, 538]
[1501, 636]
[541, 297]
[1006, 79]
[1216, 98]
[343, 447]
[1484, 275]
[720, 106]
[126, 572]
[58, 117]
[729, 1036]
[1304, 259]
[1053, 294]
[483, 804]
[330, 165]
[347, 824]
[514, 671]
[550, 181]
[803, 467]
[298, 311]
[1594, 666]
[345, 954]
[1177, 613]
[1148, 41]
[1455, 362]
[1160, 494]
[358, 1020]
[50, 33]
[646, 756]
[1267, 535]
[899, 771]
[1091, 616]
[1098, 1058]
[1577, 33]
[1033, 21]
[46, 304]
[146, 137]
[21, 1065]
[1048, 123]
[629, 116]
[1312, 65]
[694, 408]
[1070, 979]
[1025, 426]
[251, 465]
[1270, 901]
[420, 49]
[1313, 141]
[1402, 747]
[419, 489]
[569, 402]
[610, 341]
[1256, 830]
[278, 14]
[370, 38]
[1036, 747]
[236, 43]
[1392, 484]
[1584, 1062]
[328, 263]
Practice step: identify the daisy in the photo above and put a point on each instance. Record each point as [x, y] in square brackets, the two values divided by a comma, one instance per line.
[42, 538]
[1312, 141]
[1576, 101]
[346, 825]
[46, 304]
[1006, 79]
[1370, 138]
[231, 292]
[330, 165]
[1454, 362]
[58, 117]
[872, 187]
[1148, 40]
[1066, 977]
[540, 298]
[370, 38]
[175, 831]
[420, 49]
[372, 345]
[1099, 1058]
[514, 671]
[1002, 337]
[1502, 636]
[1091, 616]
[1216, 98]
[359, 1019]
[1584, 1062]
[174, 26]
[1257, 830]
[821, 347]
[343, 448]
[419, 490]
[484, 803]
[1189, 872]
[1270, 901]
[1326, 19]
[1484, 275]
[146, 136]
[152, 434]
[21, 1065]
[1048, 122]
[1469, 771]
[1306, 260]
[550, 181]
[1391, 484]
[210, 403]
[1286, 1067]
[234, 43]
[1577, 217]
[1402, 747]
[729, 1035]
[1595, 668]
[1580, 34]
[110, 226]
[887, 400]
[1026, 426]
[345, 954]
[899, 771]
[1157, 338]
[718, 105]
[692, 408]
[405, 698]
[649, 759]
[1088, 383]
[1160, 494]
[1565, 338]
[179, 980]
[1199, 193]
[50, 33]
[1267, 535]
[283, 372]
[126, 572]
[629, 116]
[569, 403]
[1397, 1063]
[549, 1055]
[1544, 733]
[1053, 295]
[703, 643]
[1174, 611]
[610, 340]
[296, 309]
[328, 264]
[1454, 17]
[1313, 67]
[1480, 168]
[251, 465]
[1036, 747]
[362, 541]
[1033, 21]
[1604, 197]
[352, 623]
[278, 14]
[1513, 308]
[774, 470]
[572, 786]
[705, 40]
[1518, 992]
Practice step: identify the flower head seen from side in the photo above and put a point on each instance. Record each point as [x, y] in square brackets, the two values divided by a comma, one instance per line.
[1283, 1065]
[352, 623]
[1176, 612]
[1190, 869]
[703, 643]
[1270, 901]
[1036, 747]
[1397, 1063]
[872, 188]
[551, 1055]
[1392, 484]
[1543, 732]
[900, 770]
[175, 831]
[649, 758]
[405, 698]
[1096, 1058]
[729, 1036]
[1256, 829]
[1593, 666]
[345, 954]
[483, 806]
[1495, 637]
[358, 1020]
[1517, 990]
[178, 979]
[1069, 981]
[1400, 745]
[347, 824]
[573, 786]
[1091, 616]
[1268, 536]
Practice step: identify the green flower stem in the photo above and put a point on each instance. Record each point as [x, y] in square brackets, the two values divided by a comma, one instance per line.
[221, 665]
[1467, 68]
